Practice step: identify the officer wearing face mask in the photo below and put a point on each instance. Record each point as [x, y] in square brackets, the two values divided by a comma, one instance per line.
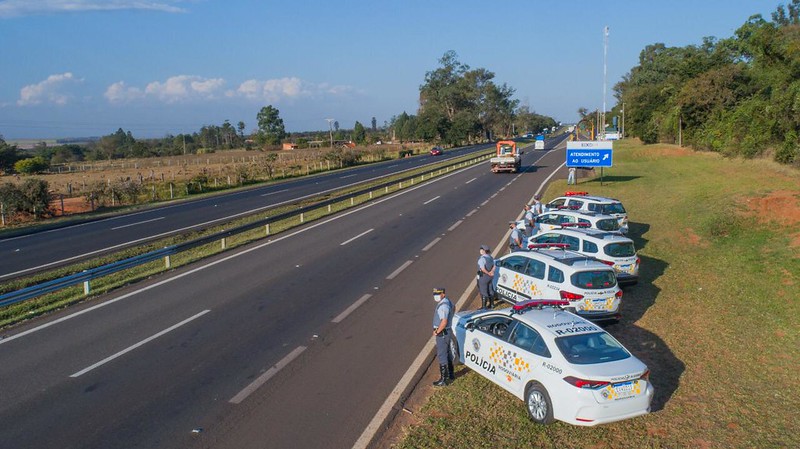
[442, 317]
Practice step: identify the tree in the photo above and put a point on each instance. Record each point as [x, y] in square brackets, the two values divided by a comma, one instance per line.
[374, 124]
[336, 125]
[36, 197]
[9, 155]
[241, 126]
[270, 126]
[359, 133]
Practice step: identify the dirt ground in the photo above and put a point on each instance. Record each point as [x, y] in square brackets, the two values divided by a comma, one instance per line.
[781, 207]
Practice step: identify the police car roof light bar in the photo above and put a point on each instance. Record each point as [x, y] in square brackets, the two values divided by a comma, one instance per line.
[581, 224]
[538, 303]
[573, 193]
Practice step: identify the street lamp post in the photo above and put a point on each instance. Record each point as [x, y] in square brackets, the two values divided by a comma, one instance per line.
[330, 127]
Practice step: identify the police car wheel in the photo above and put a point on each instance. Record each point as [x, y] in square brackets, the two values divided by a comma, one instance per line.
[452, 350]
[538, 404]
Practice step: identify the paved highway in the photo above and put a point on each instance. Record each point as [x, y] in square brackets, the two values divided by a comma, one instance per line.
[291, 342]
[29, 253]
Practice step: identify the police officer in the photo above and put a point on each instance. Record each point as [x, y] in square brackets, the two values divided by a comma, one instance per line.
[485, 277]
[538, 208]
[442, 317]
[515, 239]
[530, 220]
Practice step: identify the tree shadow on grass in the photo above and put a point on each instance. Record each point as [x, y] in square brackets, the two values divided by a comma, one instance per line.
[593, 176]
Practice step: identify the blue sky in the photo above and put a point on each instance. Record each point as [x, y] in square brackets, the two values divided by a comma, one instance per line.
[73, 68]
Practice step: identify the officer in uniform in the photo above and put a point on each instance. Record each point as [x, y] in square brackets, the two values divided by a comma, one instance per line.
[530, 223]
[442, 317]
[515, 239]
[538, 208]
[485, 277]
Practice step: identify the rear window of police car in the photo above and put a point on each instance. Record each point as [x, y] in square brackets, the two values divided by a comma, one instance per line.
[608, 209]
[624, 249]
[594, 280]
[586, 349]
[608, 224]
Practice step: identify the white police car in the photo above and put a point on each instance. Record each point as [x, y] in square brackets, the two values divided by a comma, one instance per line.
[610, 248]
[582, 201]
[562, 366]
[589, 285]
[548, 221]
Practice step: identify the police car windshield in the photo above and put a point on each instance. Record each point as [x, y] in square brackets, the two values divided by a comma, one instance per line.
[608, 224]
[624, 249]
[594, 280]
[613, 208]
[587, 349]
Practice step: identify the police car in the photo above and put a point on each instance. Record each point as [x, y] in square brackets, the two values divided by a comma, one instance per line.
[562, 366]
[589, 285]
[582, 201]
[548, 221]
[610, 248]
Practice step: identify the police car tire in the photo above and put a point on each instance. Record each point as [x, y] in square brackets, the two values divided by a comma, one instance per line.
[536, 396]
[452, 350]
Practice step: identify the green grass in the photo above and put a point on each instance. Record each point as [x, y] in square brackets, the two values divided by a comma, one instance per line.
[715, 316]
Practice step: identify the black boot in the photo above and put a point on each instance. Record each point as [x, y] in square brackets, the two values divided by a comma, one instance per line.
[484, 302]
[489, 302]
[442, 377]
[451, 373]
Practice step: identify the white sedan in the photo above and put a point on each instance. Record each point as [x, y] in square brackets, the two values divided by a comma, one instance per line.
[562, 366]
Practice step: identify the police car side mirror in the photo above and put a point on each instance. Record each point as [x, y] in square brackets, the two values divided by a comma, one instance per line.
[469, 326]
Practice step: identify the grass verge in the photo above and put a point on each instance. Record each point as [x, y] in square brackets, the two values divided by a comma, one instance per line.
[715, 315]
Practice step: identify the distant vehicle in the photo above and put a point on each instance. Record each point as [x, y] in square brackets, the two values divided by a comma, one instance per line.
[507, 159]
[528, 135]
[539, 143]
[562, 366]
[436, 151]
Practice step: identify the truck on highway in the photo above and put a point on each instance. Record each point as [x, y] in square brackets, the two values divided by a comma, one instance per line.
[507, 158]
[538, 144]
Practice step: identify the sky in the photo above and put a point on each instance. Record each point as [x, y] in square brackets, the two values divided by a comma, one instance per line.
[79, 68]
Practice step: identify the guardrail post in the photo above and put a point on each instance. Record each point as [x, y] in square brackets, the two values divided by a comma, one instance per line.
[302, 217]
[400, 185]
[386, 189]
[352, 201]
[167, 262]
[370, 194]
[329, 208]
[266, 229]
[224, 243]
[86, 287]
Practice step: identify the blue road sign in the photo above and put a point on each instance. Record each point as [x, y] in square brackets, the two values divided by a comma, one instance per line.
[589, 154]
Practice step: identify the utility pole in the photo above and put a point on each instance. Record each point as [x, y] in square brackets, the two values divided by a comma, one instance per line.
[622, 135]
[330, 127]
[605, 80]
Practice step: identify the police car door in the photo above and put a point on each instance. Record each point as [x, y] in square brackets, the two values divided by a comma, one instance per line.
[548, 222]
[526, 357]
[510, 278]
[482, 346]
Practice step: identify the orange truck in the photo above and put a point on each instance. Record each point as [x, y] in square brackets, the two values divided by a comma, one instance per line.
[507, 158]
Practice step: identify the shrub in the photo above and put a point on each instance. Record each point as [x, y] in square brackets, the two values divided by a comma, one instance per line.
[31, 165]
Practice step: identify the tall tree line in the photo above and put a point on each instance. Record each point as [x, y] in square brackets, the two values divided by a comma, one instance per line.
[736, 96]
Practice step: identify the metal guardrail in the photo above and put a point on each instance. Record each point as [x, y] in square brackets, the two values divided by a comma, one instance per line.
[86, 276]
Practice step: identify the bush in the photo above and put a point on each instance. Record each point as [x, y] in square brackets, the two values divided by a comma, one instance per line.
[788, 152]
[31, 165]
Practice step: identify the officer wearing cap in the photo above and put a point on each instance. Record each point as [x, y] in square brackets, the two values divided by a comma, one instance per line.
[485, 277]
[538, 209]
[515, 239]
[530, 218]
[442, 317]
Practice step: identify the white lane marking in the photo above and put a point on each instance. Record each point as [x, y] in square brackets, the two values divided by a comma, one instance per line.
[472, 212]
[274, 193]
[262, 379]
[430, 245]
[348, 176]
[432, 200]
[399, 270]
[359, 235]
[135, 224]
[392, 166]
[231, 257]
[455, 225]
[339, 318]
[484, 203]
[470, 180]
[141, 343]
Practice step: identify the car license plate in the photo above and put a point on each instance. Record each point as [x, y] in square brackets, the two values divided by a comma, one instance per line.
[626, 389]
[600, 304]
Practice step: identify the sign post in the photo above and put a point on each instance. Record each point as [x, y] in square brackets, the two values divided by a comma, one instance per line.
[596, 153]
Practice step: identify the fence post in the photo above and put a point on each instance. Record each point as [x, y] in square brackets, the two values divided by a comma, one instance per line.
[171, 193]
[3, 213]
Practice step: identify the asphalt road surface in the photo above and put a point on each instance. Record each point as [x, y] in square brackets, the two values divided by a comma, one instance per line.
[292, 342]
[32, 252]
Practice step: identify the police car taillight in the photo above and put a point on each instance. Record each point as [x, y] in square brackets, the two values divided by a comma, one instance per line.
[645, 375]
[568, 296]
[571, 193]
[585, 383]
[607, 262]
[533, 303]
[618, 294]
[638, 260]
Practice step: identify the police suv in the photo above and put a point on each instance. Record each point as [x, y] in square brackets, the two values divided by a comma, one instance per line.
[610, 248]
[562, 366]
[554, 219]
[582, 201]
[589, 285]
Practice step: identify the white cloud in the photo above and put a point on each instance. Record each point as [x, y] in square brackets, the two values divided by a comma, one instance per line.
[174, 90]
[17, 8]
[274, 90]
[50, 90]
